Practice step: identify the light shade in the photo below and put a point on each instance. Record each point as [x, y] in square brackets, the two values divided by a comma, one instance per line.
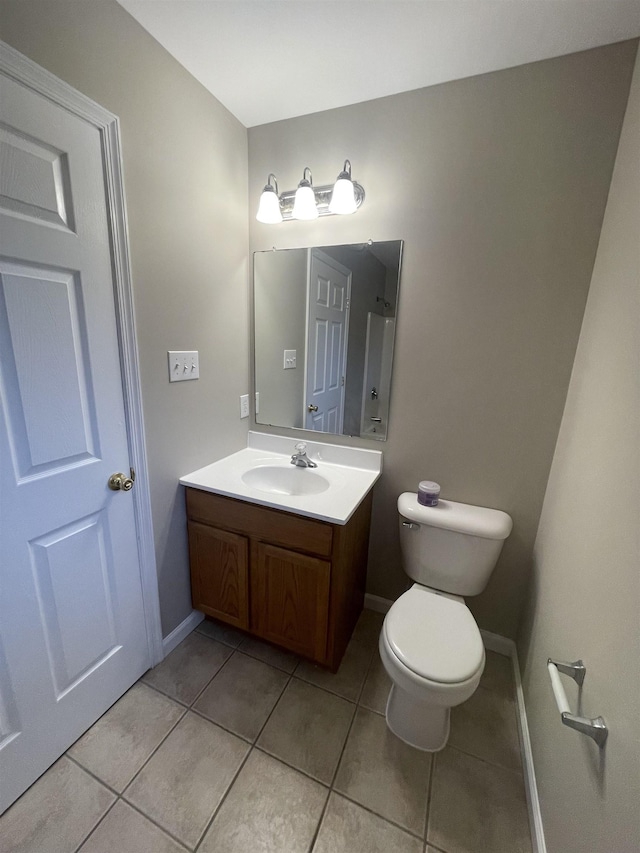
[343, 199]
[269, 207]
[304, 205]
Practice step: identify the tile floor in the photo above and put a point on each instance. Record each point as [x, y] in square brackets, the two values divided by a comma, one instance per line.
[233, 746]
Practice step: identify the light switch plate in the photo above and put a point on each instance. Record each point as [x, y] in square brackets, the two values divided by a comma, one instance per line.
[289, 359]
[183, 365]
[244, 405]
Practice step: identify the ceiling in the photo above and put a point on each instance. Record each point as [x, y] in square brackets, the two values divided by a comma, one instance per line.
[267, 60]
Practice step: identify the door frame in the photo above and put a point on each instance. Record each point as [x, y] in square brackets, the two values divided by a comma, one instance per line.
[18, 67]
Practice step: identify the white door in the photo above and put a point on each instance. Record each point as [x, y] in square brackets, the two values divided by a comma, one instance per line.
[328, 300]
[72, 625]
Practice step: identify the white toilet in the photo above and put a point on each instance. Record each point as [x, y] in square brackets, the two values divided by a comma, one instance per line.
[430, 644]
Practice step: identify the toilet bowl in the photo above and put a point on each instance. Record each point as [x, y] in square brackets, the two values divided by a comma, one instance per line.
[432, 651]
[430, 644]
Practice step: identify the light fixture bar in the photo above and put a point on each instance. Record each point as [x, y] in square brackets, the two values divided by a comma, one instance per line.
[323, 197]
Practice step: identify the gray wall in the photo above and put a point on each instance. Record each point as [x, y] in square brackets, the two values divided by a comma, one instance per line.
[498, 185]
[185, 169]
[585, 592]
[280, 310]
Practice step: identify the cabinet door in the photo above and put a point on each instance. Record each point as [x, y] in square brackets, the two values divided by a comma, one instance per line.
[219, 570]
[290, 599]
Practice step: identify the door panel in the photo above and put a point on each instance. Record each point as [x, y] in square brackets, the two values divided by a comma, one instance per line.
[329, 290]
[72, 627]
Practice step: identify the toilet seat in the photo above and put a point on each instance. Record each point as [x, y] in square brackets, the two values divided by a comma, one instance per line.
[434, 636]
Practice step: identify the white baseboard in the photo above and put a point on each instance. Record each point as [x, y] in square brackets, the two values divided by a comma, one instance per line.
[502, 646]
[533, 803]
[498, 644]
[183, 630]
[375, 602]
[505, 646]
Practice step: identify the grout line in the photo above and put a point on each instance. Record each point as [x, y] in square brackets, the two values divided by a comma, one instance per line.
[156, 824]
[144, 764]
[93, 829]
[216, 811]
[378, 815]
[92, 774]
[344, 746]
[217, 672]
[486, 761]
[432, 775]
[165, 694]
[252, 746]
[314, 838]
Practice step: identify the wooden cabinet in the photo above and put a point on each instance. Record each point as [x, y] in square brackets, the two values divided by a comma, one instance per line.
[291, 580]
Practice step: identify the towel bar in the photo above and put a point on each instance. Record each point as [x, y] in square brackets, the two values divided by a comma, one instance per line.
[595, 728]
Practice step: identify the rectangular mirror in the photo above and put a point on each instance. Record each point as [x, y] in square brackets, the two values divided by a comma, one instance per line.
[324, 329]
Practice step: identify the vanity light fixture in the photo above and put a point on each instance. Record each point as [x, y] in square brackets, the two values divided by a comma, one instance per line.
[269, 208]
[343, 199]
[304, 206]
[308, 202]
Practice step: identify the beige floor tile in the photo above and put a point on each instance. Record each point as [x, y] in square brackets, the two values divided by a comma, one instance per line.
[486, 726]
[369, 627]
[126, 831]
[384, 774]
[270, 809]
[376, 687]
[226, 634]
[476, 806]
[116, 747]
[56, 813]
[280, 658]
[185, 780]
[348, 680]
[308, 729]
[188, 668]
[347, 828]
[242, 695]
[498, 675]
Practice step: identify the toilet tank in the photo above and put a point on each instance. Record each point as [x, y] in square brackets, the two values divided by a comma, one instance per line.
[452, 547]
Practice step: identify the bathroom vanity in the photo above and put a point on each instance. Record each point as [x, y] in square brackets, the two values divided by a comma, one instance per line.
[289, 568]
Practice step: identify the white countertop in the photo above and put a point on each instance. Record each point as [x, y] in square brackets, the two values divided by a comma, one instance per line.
[350, 471]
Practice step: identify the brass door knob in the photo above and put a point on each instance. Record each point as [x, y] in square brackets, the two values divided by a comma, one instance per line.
[312, 408]
[120, 482]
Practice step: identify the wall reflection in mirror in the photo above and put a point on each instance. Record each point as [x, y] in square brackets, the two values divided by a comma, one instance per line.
[324, 329]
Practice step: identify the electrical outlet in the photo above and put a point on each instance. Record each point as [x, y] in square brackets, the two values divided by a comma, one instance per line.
[257, 402]
[289, 359]
[244, 405]
[183, 365]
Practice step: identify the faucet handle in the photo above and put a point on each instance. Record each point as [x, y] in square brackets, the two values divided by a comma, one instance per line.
[301, 447]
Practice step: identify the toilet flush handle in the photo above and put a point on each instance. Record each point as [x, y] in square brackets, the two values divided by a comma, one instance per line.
[411, 525]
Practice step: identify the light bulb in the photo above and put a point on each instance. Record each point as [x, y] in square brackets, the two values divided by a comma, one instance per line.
[343, 199]
[269, 208]
[304, 204]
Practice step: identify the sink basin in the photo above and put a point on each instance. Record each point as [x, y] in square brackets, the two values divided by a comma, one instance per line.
[280, 480]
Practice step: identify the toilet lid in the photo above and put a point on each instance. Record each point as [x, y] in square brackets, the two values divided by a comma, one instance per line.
[435, 636]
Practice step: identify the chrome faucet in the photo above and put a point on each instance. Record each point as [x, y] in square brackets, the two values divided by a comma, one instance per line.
[300, 458]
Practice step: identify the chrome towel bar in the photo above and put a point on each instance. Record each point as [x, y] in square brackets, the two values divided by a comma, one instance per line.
[595, 728]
